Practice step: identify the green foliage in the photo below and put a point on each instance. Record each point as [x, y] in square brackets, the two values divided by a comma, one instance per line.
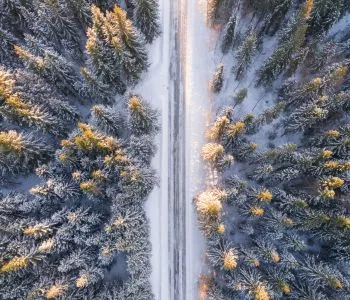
[77, 228]
[217, 81]
[290, 51]
[245, 54]
[288, 223]
[116, 50]
[229, 34]
[145, 16]
[325, 13]
[240, 96]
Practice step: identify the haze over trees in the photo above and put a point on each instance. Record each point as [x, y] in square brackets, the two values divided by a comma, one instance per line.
[75, 149]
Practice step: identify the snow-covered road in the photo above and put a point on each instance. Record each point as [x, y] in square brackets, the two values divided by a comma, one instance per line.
[177, 84]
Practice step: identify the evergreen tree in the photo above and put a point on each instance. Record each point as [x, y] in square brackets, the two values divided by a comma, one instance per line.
[218, 80]
[81, 11]
[146, 19]
[135, 60]
[13, 14]
[245, 54]
[324, 14]
[274, 13]
[21, 111]
[70, 234]
[54, 68]
[117, 53]
[21, 153]
[240, 96]
[290, 44]
[7, 40]
[105, 52]
[284, 232]
[109, 119]
[143, 119]
[229, 34]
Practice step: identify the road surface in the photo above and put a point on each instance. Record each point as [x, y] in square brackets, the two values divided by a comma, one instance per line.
[177, 83]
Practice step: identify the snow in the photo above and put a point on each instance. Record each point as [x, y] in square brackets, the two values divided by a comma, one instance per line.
[258, 99]
[154, 87]
[341, 27]
[200, 54]
[198, 64]
[197, 52]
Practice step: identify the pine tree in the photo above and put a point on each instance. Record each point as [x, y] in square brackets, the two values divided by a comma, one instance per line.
[54, 68]
[116, 50]
[146, 19]
[109, 119]
[218, 80]
[229, 34]
[143, 119]
[85, 217]
[105, 51]
[240, 96]
[13, 14]
[54, 24]
[21, 153]
[294, 199]
[325, 13]
[17, 109]
[133, 42]
[275, 15]
[94, 87]
[244, 55]
[7, 40]
[81, 11]
[290, 44]
[223, 257]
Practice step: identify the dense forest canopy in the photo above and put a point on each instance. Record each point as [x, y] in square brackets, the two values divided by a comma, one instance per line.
[75, 133]
[277, 216]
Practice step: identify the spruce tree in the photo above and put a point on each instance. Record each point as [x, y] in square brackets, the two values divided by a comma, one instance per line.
[229, 34]
[52, 67]
[290, 44]
[217, 81]
[54, 24]
[21, 153]
[135, 56]
[117, 53]
[105, 51]
[7, 53]
[18, 110]
[275, 14]
[146, 18]
[244, 55]
[143, 119]
[324, 14]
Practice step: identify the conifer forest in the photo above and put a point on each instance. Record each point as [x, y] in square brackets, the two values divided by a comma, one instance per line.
[175, 149]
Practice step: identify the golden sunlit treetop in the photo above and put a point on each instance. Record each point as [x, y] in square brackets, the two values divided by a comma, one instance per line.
[209, 202]
[211, 152]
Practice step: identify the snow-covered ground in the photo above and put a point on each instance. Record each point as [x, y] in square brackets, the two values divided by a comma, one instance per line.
[198, 65]
[195, 54]
[199, 54]
[154, 87]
